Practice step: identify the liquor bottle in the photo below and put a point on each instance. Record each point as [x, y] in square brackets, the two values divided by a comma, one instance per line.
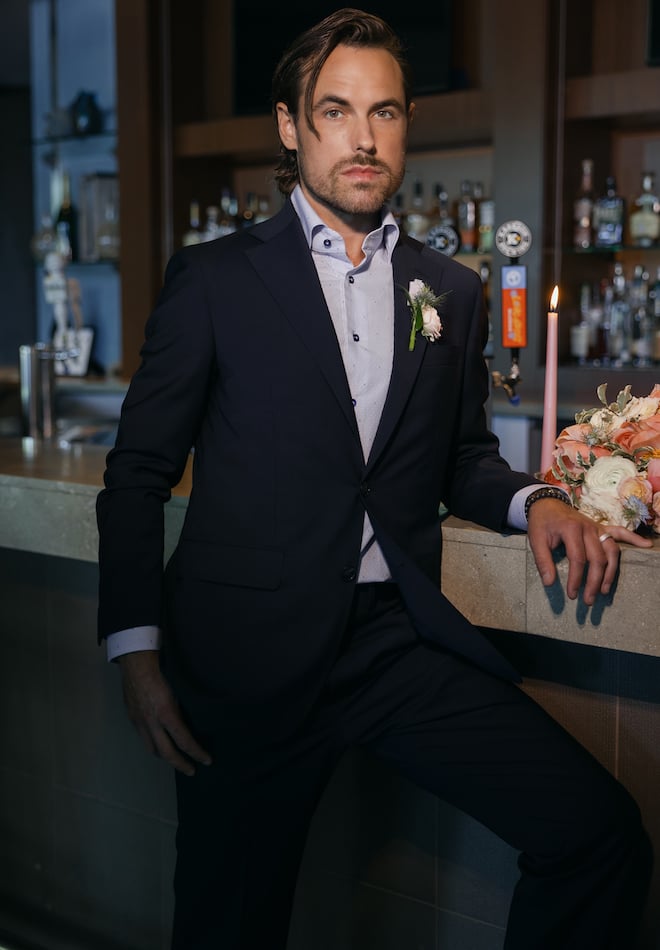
[193, 235]
[211, 227]
[263, 209]
[609, 214]
[107, 236]
[644, 220]
[44, 239]
[466, 216]
[442, 235]
[250, 211]
[228, 222]
[654, 310]
[641, 343]
[620, 330]
[486, 225]
[67, 216]
[583, 208]
[415, 219]
[396, 207]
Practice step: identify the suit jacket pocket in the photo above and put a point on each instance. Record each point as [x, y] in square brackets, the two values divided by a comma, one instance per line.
[228, 564]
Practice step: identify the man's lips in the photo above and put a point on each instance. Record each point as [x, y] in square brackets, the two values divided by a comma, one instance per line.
[362, 172]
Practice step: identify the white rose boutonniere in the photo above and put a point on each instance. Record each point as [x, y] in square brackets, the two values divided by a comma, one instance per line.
[425, 318]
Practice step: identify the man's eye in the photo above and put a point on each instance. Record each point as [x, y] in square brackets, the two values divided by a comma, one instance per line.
[333, 113]
[385, 114]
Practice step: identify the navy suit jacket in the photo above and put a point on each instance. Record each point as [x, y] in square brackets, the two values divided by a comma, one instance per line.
[241, 362]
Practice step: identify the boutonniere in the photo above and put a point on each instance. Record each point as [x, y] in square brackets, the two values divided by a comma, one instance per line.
[425, 318]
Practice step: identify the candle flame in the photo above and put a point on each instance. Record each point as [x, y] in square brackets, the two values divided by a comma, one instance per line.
[554, 300]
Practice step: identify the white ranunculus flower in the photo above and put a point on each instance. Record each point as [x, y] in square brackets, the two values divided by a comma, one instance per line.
[607, 473]
[599, 499]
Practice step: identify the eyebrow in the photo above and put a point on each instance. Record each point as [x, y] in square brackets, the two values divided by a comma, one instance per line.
[331, 99]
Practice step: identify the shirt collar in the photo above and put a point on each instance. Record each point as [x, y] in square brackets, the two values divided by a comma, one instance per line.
[386, 235]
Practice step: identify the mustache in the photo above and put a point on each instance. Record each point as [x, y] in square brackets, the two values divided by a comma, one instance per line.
[361, 161]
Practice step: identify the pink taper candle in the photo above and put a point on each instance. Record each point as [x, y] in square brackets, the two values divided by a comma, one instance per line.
[549, 432]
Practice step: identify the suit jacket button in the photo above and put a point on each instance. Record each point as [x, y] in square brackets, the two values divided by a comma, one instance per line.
[365, 488]
[348, 574]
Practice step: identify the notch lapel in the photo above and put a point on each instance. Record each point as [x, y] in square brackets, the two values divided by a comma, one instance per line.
[301, 299]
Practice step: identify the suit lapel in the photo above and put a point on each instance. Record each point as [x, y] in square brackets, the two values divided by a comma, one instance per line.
[407, 265]
[301, 299]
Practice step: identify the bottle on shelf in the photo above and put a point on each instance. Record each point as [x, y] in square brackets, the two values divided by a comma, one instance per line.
[580, 334]
[609, 214]
[66, 221]
[263, 209]
[620, 325]
[250, 211]
[644, 221]
[583, 208]
[107, 236]
[641, 342]
[486, 225]
[415, 219]
[466, 216]
[44, 239]
[654, 311]
[442, 234]
[211, 226]
[228, 221]
[193, 235]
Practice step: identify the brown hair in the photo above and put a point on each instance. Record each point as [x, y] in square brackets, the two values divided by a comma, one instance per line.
[303, 60]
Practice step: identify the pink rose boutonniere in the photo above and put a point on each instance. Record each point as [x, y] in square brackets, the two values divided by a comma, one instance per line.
[425, 318]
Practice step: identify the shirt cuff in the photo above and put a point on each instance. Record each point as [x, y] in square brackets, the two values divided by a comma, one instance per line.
[516, 514]
[132, 640]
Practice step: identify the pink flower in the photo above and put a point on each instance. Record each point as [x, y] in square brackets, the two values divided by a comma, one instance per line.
[653, 474]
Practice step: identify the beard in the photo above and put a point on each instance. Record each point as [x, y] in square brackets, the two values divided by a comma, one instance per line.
[347, 197]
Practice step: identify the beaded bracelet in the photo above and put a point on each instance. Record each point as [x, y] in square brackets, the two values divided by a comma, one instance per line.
[548, 491]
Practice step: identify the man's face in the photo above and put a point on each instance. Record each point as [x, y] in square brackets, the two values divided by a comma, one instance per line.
[358, 160]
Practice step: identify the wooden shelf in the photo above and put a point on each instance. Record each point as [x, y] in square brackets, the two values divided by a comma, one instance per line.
[450, 119]
[621, 97]
[236, 138]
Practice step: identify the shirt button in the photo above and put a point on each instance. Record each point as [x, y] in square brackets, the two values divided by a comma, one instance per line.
[354, 401]
[356, 337]
[327, 243]
[351, 279]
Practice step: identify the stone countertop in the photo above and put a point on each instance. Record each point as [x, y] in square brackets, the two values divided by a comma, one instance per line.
[47, 506]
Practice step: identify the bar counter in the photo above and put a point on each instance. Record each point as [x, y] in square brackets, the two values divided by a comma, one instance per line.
[88, 818]
[47, 506]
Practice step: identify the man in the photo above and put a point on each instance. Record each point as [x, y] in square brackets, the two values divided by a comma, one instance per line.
[300, 613]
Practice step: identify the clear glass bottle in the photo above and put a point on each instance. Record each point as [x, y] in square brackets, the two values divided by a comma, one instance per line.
[67, 217]
[107, 237]
[644, 219]
[442, 235]
[466, 216]
[193, 235]
[415, 219]
[583, 208]
[44, 239]
[609, 215]
[620, 329]
[654, 310]
[211, 227]
[641, 344]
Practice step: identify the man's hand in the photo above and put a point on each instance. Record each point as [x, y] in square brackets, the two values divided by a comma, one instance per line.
[155, 713]
[552, 523]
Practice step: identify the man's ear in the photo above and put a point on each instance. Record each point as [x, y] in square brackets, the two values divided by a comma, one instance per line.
[286, 127]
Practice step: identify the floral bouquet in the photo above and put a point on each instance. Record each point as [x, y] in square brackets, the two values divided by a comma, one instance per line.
[609, 461]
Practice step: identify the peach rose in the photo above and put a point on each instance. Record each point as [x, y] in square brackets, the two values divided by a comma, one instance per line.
[653, 474]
